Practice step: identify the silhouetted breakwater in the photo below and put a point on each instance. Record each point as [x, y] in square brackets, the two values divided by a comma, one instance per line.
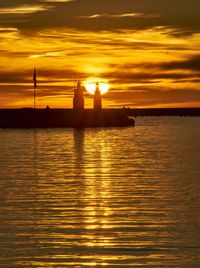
[46, 118]
[55, 118]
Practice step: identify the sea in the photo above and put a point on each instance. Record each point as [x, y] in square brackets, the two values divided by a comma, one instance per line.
[104, 197]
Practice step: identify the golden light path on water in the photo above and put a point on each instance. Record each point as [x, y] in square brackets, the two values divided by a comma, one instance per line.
[112, 197]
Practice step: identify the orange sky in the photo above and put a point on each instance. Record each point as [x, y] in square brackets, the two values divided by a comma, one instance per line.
[148, 54]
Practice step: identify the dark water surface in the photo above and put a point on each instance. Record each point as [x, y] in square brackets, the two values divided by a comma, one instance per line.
[126, 197]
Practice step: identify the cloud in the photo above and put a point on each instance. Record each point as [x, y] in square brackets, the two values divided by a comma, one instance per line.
[125, 15]
[148, 76]
[128, 14]
[24, 9]
[155, 96]
[44, 76]
[147, 61]
[57, 1]
[193, 64]
[182, 70]
[8, 30]
[47, 54]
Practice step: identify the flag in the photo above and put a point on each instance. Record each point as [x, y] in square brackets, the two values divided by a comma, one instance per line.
[34, 78]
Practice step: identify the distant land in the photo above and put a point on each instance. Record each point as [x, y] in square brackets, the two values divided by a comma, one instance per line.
[163, 112]
[127, 111]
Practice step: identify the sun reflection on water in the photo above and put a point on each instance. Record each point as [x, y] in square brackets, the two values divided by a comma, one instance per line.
[75, 198]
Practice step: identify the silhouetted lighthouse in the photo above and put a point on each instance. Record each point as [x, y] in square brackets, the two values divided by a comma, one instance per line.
[97, 98]
[78, 101]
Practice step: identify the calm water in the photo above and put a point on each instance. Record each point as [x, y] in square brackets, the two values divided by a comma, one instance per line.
[101, 197]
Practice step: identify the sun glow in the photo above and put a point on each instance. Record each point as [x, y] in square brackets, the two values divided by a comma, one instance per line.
[91, 87]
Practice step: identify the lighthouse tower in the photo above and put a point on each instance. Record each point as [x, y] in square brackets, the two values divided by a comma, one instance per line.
[97, 98]
[78, 101]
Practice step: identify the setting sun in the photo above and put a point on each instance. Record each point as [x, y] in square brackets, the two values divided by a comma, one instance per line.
[91, 86]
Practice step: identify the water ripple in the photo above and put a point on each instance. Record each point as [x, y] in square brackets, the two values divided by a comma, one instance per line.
[101, 197]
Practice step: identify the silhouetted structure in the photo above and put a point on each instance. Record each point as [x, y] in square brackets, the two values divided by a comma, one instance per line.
[97, 98]
[78, 100]
[78, 117]
[48, 118]
[56, 118]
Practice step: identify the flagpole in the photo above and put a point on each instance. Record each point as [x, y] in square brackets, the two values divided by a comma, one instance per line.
[35, 85]
[34, 97]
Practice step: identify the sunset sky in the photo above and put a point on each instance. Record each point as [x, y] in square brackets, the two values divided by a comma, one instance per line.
[147, 50]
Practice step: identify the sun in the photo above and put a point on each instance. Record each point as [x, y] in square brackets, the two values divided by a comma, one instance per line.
[91, 87]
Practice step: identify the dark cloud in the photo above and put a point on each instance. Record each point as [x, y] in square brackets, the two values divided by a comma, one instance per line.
[192, 64]
[148, 96]
[43, 76]
[150, 76]
[14, 76]
[182, 13]
[149, 71]
[11, 54]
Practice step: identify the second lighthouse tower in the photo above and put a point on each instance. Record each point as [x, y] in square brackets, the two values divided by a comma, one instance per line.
[78, 101]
